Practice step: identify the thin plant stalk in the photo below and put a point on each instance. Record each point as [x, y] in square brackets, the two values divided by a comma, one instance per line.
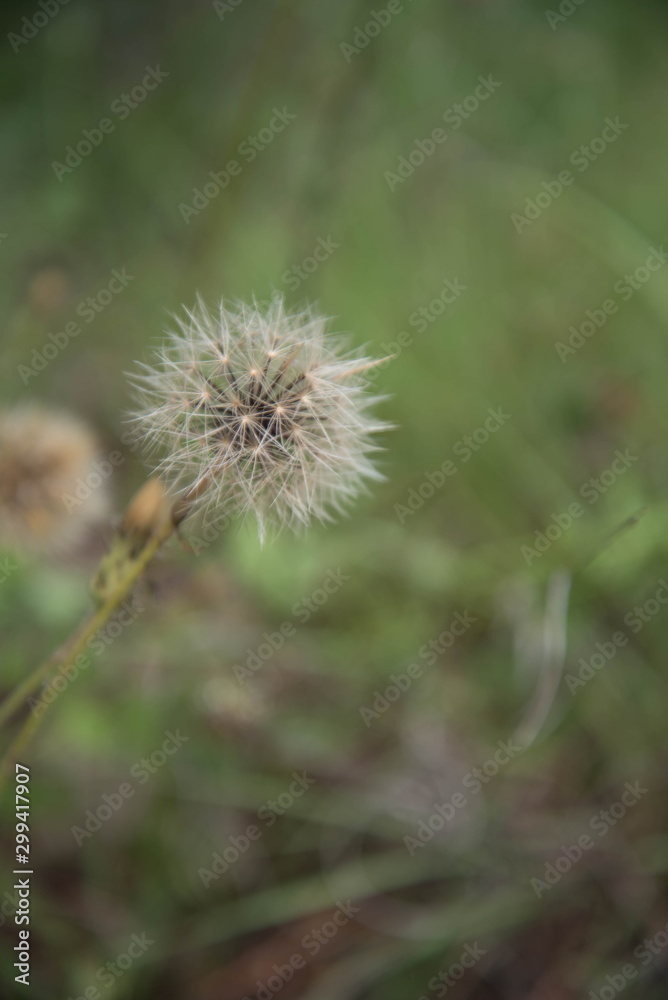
[76, 644]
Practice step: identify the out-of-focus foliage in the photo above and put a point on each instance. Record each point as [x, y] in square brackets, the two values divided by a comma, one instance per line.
[413, 555]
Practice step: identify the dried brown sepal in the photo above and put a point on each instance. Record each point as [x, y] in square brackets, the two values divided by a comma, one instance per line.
[148, 515]
[147, 512]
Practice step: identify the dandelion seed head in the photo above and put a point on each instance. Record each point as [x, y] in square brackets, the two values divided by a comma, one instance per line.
[47, 466]
[261, 412]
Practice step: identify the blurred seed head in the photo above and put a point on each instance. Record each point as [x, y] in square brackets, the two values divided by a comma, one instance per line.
[49, 290]
[224, 700]
[259, 412]
[49, 491]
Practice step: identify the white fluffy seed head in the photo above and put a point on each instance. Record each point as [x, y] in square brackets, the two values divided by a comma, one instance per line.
[259, 411]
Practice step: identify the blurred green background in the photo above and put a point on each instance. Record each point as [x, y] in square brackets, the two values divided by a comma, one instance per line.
[411, 555]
